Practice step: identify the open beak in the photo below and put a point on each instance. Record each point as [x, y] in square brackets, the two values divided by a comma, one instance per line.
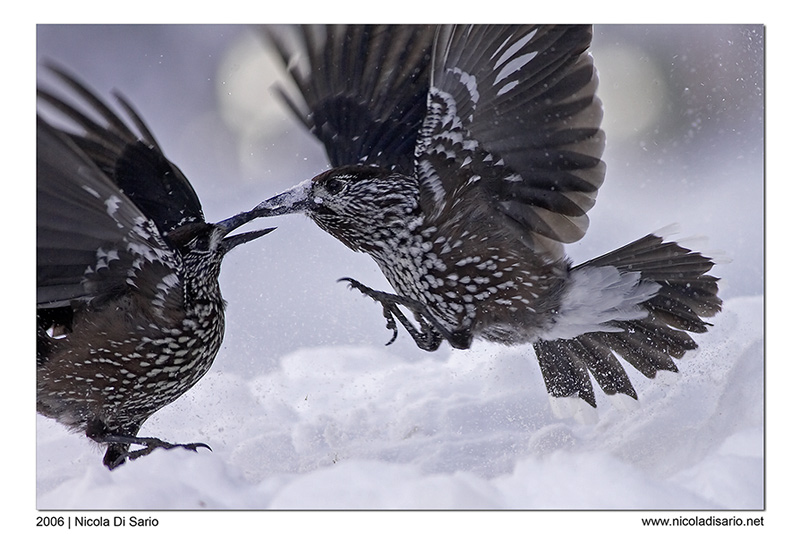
[292, 200]
[231, 224]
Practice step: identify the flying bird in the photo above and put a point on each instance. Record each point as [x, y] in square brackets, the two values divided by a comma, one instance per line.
[463, 159]
[128, 306]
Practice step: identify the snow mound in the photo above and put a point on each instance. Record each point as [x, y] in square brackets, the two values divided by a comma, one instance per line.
[357, 427]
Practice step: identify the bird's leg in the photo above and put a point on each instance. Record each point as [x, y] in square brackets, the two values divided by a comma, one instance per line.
[430, 333]
[117, 455]
[427, 337]
[151, 444]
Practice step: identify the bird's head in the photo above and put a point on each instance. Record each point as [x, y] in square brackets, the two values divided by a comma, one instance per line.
[355, 204]
[213, 241]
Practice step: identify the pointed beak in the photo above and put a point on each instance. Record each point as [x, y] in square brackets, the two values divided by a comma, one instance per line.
[231, 224]
[294, 200]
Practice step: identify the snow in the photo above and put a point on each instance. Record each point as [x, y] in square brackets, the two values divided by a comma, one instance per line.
[356, 427]
[306, 408]
[288, 198]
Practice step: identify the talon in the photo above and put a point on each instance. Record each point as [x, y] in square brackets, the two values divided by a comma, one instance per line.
[390, 325]
[148, 445]
[430, 333]
[194, 446]
[151, 446]
[348, 280]
[353, 284]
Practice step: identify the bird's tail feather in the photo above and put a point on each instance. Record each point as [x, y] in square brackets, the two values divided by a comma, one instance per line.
[685, 296]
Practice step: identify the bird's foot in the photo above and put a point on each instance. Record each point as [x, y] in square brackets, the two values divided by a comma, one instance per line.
[430, 333]
[151, 444]
[116, 455]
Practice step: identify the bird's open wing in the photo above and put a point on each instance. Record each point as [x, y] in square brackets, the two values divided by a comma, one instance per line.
[513, 123]
[93, 241]
[132, 159]
[362, 88]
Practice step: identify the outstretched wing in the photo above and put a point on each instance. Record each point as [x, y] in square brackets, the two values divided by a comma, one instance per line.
[103, 209]
[133, 160]
[513, 123]
[92, 242]
[363, 88]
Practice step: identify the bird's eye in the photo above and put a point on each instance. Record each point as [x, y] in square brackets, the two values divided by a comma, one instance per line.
[334, 185]
[201, 242]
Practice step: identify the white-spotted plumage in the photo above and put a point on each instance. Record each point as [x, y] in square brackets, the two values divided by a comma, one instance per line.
[465, 185]
[129, 310]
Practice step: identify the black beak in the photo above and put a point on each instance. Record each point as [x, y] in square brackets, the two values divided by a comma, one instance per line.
[231, 224]
[292, 200]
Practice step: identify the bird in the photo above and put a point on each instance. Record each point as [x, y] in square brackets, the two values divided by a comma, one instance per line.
[129, 311]
[463, 159]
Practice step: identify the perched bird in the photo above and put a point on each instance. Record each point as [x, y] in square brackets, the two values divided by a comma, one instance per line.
[129, 311]
[464, 158]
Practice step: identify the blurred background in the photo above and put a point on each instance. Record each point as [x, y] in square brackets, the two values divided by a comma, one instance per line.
[684, 117]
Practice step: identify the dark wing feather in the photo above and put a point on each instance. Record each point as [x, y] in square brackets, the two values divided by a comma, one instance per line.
[106, 197]
[92, 242]
[513, 118]
[133, 161]
[363, 88]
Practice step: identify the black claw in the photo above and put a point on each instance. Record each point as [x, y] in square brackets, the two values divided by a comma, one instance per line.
[350, 282]
[355, 284]
[190, 446]
[430, 333]
[388, 309]
[151, 444]
[390, 325]
[148, 445]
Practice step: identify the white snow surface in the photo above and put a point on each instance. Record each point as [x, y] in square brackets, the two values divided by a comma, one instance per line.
[353, 427]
